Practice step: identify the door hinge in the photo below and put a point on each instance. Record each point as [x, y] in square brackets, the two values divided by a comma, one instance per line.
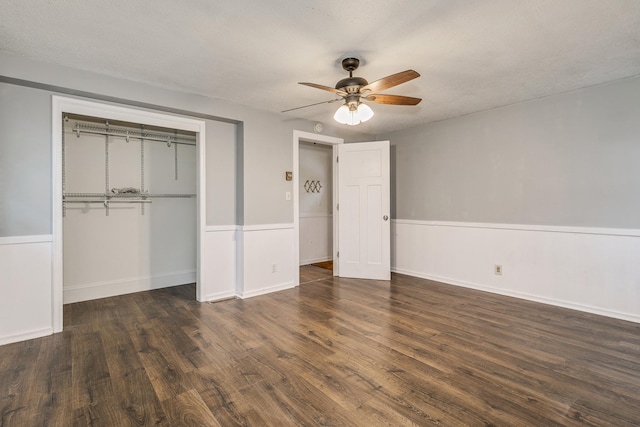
[337, 159]
[338, 207]
[338, 254]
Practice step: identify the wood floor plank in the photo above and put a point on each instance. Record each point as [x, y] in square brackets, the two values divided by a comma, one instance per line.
[90, 373]
[132, 388]
[335, 351]
[188, 409]
[53, 379]
[294, 393]
[103, 412]
[158, 356]
[227, 403]
[16, 378]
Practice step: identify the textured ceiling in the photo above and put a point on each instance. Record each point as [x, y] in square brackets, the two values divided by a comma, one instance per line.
[472, 55]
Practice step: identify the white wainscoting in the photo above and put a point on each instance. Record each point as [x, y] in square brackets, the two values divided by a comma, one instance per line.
[316, 238]
[25, 288]
[221, 262]
[263, 247]
[596, 270]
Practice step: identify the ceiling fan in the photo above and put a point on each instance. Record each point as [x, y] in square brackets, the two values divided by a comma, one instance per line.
[354, 90]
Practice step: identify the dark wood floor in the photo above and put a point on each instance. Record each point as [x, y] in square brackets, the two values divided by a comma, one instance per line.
[331, 352]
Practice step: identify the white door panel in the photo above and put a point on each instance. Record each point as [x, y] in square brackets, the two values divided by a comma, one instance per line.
[364, 206]
[351, 214]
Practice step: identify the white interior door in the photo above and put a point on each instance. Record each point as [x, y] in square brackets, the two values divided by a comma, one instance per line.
[363, 210]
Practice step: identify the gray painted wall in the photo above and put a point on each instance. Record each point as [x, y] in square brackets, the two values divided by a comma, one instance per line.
[571, 159]
[222, 184]
[315, 161]
[25, 161]
[264, 145]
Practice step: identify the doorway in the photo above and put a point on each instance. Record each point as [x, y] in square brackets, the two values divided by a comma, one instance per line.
[62, 106]
[310, 182]
[362, 200]
[316, 204]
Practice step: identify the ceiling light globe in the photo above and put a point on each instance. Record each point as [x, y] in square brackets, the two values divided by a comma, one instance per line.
[342, 115]
[355, 118]
[365, 112]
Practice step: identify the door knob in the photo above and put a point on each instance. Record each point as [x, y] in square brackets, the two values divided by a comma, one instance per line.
[385, 217]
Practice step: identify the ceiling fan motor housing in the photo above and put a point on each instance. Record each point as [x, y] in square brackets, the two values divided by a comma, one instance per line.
[351, 84]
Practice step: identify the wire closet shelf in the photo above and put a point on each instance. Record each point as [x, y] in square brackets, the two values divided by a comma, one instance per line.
[114, 196]
[128, 134]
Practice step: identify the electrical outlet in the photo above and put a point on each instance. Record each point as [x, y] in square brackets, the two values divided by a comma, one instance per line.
[274, 268]
[498, 269]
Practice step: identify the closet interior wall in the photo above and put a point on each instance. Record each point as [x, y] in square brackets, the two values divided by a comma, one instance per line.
[129, 208]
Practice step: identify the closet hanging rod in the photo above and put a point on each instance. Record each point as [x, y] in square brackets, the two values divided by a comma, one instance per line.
[108, 201]
[128, 195]
[132, 134]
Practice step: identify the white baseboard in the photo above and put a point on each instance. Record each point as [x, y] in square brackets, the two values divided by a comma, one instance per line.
[268, 290]
[220, 296]
[106, 289]
[312, 261]
[26, 336]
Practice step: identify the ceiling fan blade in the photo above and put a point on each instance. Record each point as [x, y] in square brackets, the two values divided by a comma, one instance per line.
[392, 99]
[311, 105]
[327, 88]
[391, 81]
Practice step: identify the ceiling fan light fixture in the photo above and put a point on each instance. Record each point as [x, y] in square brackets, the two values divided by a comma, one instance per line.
[353, 116]
[352, 90]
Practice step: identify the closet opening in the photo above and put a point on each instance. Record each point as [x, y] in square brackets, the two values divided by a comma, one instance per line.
[62, 107]
[129, 207]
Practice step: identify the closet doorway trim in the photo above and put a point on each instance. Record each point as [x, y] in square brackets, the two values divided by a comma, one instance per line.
[62, 105]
